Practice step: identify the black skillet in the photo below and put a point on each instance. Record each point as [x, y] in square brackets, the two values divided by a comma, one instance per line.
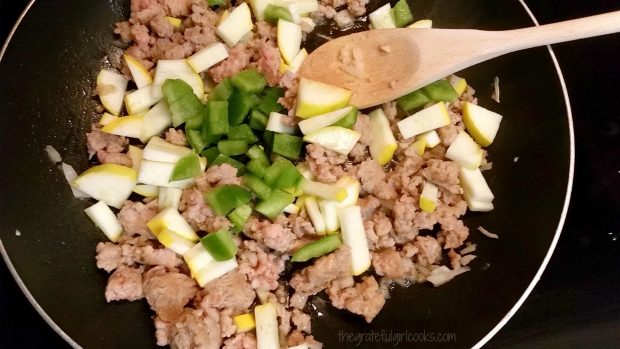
[47, 76]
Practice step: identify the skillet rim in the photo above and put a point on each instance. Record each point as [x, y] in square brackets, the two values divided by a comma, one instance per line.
[481, 342]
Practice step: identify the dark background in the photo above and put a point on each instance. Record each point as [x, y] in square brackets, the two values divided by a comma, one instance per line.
[576, 304]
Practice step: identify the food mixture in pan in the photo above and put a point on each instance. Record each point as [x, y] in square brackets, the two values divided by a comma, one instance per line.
[232, 192]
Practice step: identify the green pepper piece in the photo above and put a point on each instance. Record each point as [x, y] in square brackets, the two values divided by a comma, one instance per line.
[249, 80]
[274, 13]
[257, 167]
[194, 123]
[242, 132]
[207, 136]
[210, 154]
[186, 108]
[194, 138]
[224, 159]
[222, 91]
[440, 90]
[268, 139]
[349, 120]
[269, 102]
[287, 145]
[257, 152]
[187, 167]
[232, 147]
[317, 248]
[289, 178]
[258, 120]
[412, 100]
[217, 117]
[260, 188]
[175, 89]
[225, 198]
[282, 174]
[213, 3]
[239, 216]
[220, 245]
[240, 104]
[402, 14]
[274, 205]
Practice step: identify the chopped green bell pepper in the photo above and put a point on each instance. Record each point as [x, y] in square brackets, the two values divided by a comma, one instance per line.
[217, 117]
[349, 120]
[222, 91]
[260, 188]
[283, 174]
[274, 205]
[232, 147]
[402, 14]
[317, 248]
[249, 80]
[268, 139]
[269, 101]
[183, 103]
[239, 216]
[194, 138]
[240, 104]
[187, 167]
[412, 100]
[242, 132]
[225, 198]
[258, 120]
[287, 145]
[220, 245]
[440, 90]
[274, 13]
[256, 152]
[210, 153]
[257, 167]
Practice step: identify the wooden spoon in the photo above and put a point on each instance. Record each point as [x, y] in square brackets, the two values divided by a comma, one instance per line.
[382, 65]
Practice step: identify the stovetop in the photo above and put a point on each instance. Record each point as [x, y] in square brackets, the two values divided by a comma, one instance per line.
[576, 304]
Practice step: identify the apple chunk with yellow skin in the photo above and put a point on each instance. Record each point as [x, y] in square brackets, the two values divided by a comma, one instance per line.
[336, 138]
[315, 98]
[105, 219]
[481, 123]
[110, 183]
[465, 151]
[428, 197]
[111, 87]
[383, 144]
[172, 220]
[128, 126]
[289, 40]
[140, 75]
[425, 120]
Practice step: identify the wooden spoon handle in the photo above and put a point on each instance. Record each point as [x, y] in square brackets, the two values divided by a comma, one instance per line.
[574, 29]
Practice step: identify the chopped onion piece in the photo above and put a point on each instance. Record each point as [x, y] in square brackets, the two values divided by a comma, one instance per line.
[443, 274]
[70, 175]
[467, 259]
[495, 95]
[469, 249]
[53, 154]
[488, 233]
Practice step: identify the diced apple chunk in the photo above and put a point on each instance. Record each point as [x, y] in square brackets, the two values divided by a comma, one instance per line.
[320, 121]
[382, 17]
[336, 138]
[428, 197]
[315, 98]
[289, 40]
[465, 151]
[425, 120]
[111, 87]
[383, 144]
[140, 75]
[172, 220]
[208, 57]
[160, 150]
[105, 219]
[110, 183]
[481, 123]
[176, 69]
[354, 236]
[236, 25]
